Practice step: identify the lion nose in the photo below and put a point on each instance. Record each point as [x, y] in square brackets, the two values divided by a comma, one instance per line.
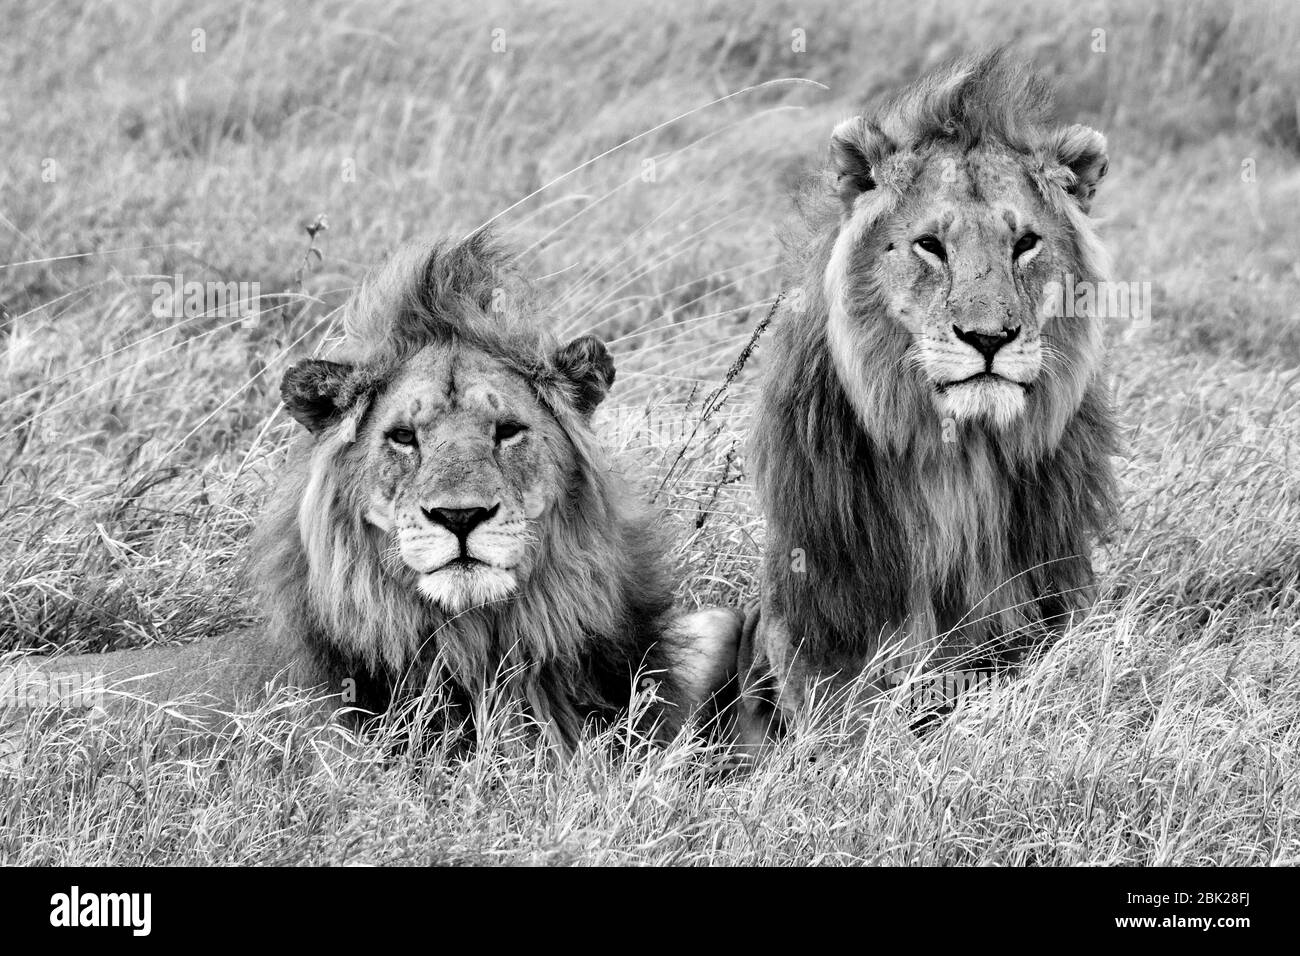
[460, 521]
[984, 343]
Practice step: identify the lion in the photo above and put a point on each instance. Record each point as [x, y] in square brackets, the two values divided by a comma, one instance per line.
[448, 517]
[932, 448]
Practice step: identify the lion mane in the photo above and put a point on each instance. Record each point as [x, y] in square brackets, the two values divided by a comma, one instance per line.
[594, 611]
[887, 526]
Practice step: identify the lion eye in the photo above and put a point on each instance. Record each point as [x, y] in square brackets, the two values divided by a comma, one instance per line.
[401, 436]
[508, 430]
[1025, 244]
[932, 245]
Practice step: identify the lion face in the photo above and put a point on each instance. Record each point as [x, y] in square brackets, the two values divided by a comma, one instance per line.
[459, 458]
[963, 272]
[962, 246]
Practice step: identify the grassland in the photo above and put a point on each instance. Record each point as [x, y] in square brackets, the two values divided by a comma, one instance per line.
[135, 449]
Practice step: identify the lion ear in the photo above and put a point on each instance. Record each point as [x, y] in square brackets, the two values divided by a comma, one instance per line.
[313, 391]
[588, 365]
[858, 147]
[1081, 150]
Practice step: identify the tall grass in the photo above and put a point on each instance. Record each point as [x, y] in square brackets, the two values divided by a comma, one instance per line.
[135, 450]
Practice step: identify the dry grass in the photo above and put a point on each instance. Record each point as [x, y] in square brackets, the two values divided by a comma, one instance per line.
[135, 450]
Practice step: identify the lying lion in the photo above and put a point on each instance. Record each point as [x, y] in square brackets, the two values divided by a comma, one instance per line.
[449, 517]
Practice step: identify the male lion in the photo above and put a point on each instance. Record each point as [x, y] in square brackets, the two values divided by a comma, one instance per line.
[450, 516]
[932, 451]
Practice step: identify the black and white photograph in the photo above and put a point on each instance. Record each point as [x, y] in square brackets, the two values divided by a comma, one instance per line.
[675, 434]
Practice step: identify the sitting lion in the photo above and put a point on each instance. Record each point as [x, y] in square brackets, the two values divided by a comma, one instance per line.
[932, 448]
[451, 518]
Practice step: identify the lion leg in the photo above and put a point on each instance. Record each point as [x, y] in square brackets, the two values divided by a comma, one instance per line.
[202, 681]
[704, 659]
[757, 718]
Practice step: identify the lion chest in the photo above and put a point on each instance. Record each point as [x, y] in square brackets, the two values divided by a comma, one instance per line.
[957, 529]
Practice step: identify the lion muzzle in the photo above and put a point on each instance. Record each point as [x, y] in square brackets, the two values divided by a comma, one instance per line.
[460, 521]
